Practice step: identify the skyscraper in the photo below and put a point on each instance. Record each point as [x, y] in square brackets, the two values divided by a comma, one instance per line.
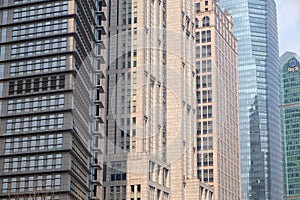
[217, 99]
[50, 68]
[255, 27]
[150, 126]
[135, 142]
[290, 112]
[181, 97]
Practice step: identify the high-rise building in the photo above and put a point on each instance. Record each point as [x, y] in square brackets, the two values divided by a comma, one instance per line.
[50, 77]
[150, 126]
[218, 136]
[181, 98]
[255, 27]
[290, 118]
[135, 162]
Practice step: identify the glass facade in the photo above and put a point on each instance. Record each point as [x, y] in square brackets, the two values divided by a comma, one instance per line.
[290, 118]
[255, 28]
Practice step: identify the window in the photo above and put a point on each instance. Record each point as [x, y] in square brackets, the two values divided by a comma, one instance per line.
[197, 7]
[1, 89]
[118, 171]
[205, 21]
[4, 16]
[206, 51]
[5, 2]
[4, 185]
[3, 34]
[206, 36]
[206, 112]
[2, 52]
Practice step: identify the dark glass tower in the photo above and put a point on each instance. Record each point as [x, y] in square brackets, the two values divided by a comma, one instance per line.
[50, 70]
[255, 27]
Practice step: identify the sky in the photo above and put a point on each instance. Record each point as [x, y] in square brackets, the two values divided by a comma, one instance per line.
[288, 12]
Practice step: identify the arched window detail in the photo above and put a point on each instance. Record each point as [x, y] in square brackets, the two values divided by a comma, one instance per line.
[205, 21]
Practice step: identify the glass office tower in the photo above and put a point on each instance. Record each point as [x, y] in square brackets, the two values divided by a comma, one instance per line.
[290, 117]
[255, 28]
[50, 77]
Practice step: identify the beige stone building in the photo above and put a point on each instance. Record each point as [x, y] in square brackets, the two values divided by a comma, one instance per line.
[218, 158]
[135, 143]
[181, 100]
[151, 104]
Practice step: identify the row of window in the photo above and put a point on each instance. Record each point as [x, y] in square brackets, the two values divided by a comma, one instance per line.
[40, 11]
[205, 159]
[207, 127]
[205, 143]
[32, 163]
[34, 123]
[33, 143]
[206, 96]
[207, 176]
[118, 170]
[206, 81]
[31, 183]
[40, 29]
[38, 47]
[36, 85]
[205, 22]
[43, 65]
[118, 192]
[205, 51]
[158, 173]
[205, 37]
[39, 103]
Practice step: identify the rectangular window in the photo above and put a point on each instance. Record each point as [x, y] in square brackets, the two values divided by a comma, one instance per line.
[22, 184]
[44, 83]
[4, 16]
[4, 185]
[23, 164]
[1, 89]
[61, 81]
[5, 2]
[30, 183]
[2, 52]
[28, 86]
[3, 34]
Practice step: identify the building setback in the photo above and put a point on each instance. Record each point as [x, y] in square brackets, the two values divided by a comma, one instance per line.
[290, 112]
[50, 68]
[255, 27]
[218, 149]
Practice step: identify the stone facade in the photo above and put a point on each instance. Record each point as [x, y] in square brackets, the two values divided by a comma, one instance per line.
[218, 154]
[135, 143]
